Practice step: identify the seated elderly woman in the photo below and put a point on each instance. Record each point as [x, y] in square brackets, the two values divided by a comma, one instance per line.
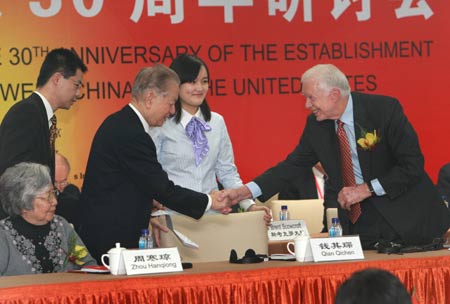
[32, 238]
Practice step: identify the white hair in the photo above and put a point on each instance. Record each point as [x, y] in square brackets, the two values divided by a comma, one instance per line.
[20, 184]
[328, 77]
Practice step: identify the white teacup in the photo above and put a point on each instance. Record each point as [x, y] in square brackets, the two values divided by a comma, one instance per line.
[116, 262]
[302, 249]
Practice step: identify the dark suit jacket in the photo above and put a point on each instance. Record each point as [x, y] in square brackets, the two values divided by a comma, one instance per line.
[412, 206]
[303, 187]
[68, 205]
[443, 183]
[25, 135]
[122, 178]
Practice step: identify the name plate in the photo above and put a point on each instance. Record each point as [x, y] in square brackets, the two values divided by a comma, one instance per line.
[287, 230]
[145, 261]
[336, 249]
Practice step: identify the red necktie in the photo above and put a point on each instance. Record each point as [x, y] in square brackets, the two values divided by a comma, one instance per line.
[53, 133]
[348, 177]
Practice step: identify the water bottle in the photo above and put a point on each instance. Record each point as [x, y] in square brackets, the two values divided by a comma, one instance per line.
[284, 213]
[336, 228]
[149, 241]
[145, 241]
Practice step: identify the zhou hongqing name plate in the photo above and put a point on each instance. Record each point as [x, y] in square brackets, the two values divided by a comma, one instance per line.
[145, 261]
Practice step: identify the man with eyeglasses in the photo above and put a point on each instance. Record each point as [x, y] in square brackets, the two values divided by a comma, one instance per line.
[28, 130]
[68, 194]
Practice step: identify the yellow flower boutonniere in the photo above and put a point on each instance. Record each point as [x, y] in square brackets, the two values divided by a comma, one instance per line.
[368, 140]
[76, 252]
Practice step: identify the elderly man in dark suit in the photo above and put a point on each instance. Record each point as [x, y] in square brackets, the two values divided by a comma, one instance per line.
[372, 157]
[123, 174]
[26, 128]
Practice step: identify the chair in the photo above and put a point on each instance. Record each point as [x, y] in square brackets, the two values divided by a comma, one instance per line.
[311, 211]
[217, 234]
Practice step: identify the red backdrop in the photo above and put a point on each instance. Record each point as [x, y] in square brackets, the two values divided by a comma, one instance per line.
[256, 50]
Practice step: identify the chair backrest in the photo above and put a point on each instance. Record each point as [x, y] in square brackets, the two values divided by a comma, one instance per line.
[217, 234]
[311, 211]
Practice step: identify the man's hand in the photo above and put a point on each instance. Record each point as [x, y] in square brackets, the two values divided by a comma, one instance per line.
[446, 237]
[352, 195]
[267, 215]
[157, 227]
[237, 195]
[220, 202]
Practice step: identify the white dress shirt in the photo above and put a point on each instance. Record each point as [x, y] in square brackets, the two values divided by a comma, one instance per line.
[48, 108]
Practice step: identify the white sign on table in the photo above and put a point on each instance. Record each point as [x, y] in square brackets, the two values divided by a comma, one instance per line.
[287, 230]
[145, 261]
[336, 248]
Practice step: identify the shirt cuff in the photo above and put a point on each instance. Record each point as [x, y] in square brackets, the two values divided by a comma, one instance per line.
[254, 189]
[377, 188]
[247, 203]
[209, 203]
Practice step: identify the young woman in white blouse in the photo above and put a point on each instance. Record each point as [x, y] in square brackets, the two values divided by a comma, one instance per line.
[193, 146]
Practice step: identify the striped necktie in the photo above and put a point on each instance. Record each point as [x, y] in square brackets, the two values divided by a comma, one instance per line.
[348, 176]
[53, 133]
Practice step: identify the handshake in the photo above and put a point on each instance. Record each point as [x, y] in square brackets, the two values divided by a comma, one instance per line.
[223, 200]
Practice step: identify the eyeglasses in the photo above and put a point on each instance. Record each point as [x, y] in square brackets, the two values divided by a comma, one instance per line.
[62, 183]
[49, 196]
[78, 83]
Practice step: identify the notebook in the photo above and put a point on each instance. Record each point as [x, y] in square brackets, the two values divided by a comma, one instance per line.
[217, 234]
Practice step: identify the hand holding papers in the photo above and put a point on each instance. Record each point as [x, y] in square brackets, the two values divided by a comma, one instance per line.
[181, 237]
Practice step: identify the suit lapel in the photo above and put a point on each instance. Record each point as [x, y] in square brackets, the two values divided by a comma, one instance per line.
[135, 123]
[361, 120]
[39, 104]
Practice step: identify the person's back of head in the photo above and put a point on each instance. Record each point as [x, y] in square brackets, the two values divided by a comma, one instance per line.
[372, 286]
